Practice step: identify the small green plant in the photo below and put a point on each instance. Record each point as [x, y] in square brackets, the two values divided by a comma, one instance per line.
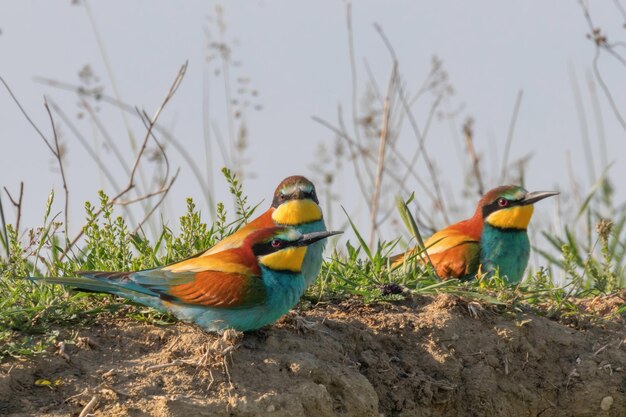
[593, 262]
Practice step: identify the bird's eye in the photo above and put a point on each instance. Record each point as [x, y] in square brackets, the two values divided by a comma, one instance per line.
[503, 202]
[276, 243]
[281, 197]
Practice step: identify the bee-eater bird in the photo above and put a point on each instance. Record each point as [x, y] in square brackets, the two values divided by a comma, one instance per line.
[242, 288]
[294, 204]
[493, 239]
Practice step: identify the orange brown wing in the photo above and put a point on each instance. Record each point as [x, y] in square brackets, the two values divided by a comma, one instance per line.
[454, 254]
[219, 289]
[457, 262]
[231, 278]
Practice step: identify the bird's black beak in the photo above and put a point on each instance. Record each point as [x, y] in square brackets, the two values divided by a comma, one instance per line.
[532, 198]
[310, 238]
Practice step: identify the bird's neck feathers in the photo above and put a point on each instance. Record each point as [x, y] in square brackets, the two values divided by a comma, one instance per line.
[295, 212]
[239, 260]
[261, 222]
[472, 227]
[516, 217]
[289, 259]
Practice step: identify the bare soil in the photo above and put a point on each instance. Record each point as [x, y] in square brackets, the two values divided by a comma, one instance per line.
[429, 356]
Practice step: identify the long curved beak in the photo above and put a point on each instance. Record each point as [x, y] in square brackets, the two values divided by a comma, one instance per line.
[532, 198]
[310, 238]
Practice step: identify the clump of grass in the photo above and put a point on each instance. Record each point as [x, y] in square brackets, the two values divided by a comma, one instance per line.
[592, 258]
[368, 273]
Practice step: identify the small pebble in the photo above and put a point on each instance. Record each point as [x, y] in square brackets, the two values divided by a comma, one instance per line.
[606, 403]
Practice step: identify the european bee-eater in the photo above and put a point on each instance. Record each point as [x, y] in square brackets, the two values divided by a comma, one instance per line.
[294, 204]
[493, 239]
[243, 288]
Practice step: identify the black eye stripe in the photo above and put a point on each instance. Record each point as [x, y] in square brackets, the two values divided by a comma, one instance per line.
[495, 206]
[266, 248]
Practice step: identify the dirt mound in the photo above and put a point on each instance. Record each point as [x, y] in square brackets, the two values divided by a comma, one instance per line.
[431, 356]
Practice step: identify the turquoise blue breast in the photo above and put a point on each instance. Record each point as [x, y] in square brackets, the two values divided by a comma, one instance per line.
[506, 251]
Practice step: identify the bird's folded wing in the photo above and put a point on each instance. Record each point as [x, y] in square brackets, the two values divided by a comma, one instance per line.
[453, 253]
[219, 289]
[447, 239]
[459, 261]
[236, 239]
[227, 279]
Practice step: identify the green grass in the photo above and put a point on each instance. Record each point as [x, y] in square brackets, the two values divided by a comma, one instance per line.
[32, 313]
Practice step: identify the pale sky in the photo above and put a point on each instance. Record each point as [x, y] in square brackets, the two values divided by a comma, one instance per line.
[296, 56]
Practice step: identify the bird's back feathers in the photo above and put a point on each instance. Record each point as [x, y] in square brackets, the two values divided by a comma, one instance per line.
[236, 239]
[454, 250]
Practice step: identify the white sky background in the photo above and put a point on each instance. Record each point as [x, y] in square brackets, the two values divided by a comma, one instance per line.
[296, 55]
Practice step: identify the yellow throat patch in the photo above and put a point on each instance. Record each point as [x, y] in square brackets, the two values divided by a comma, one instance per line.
[289, 259]
[516, 217]
[295, 212]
